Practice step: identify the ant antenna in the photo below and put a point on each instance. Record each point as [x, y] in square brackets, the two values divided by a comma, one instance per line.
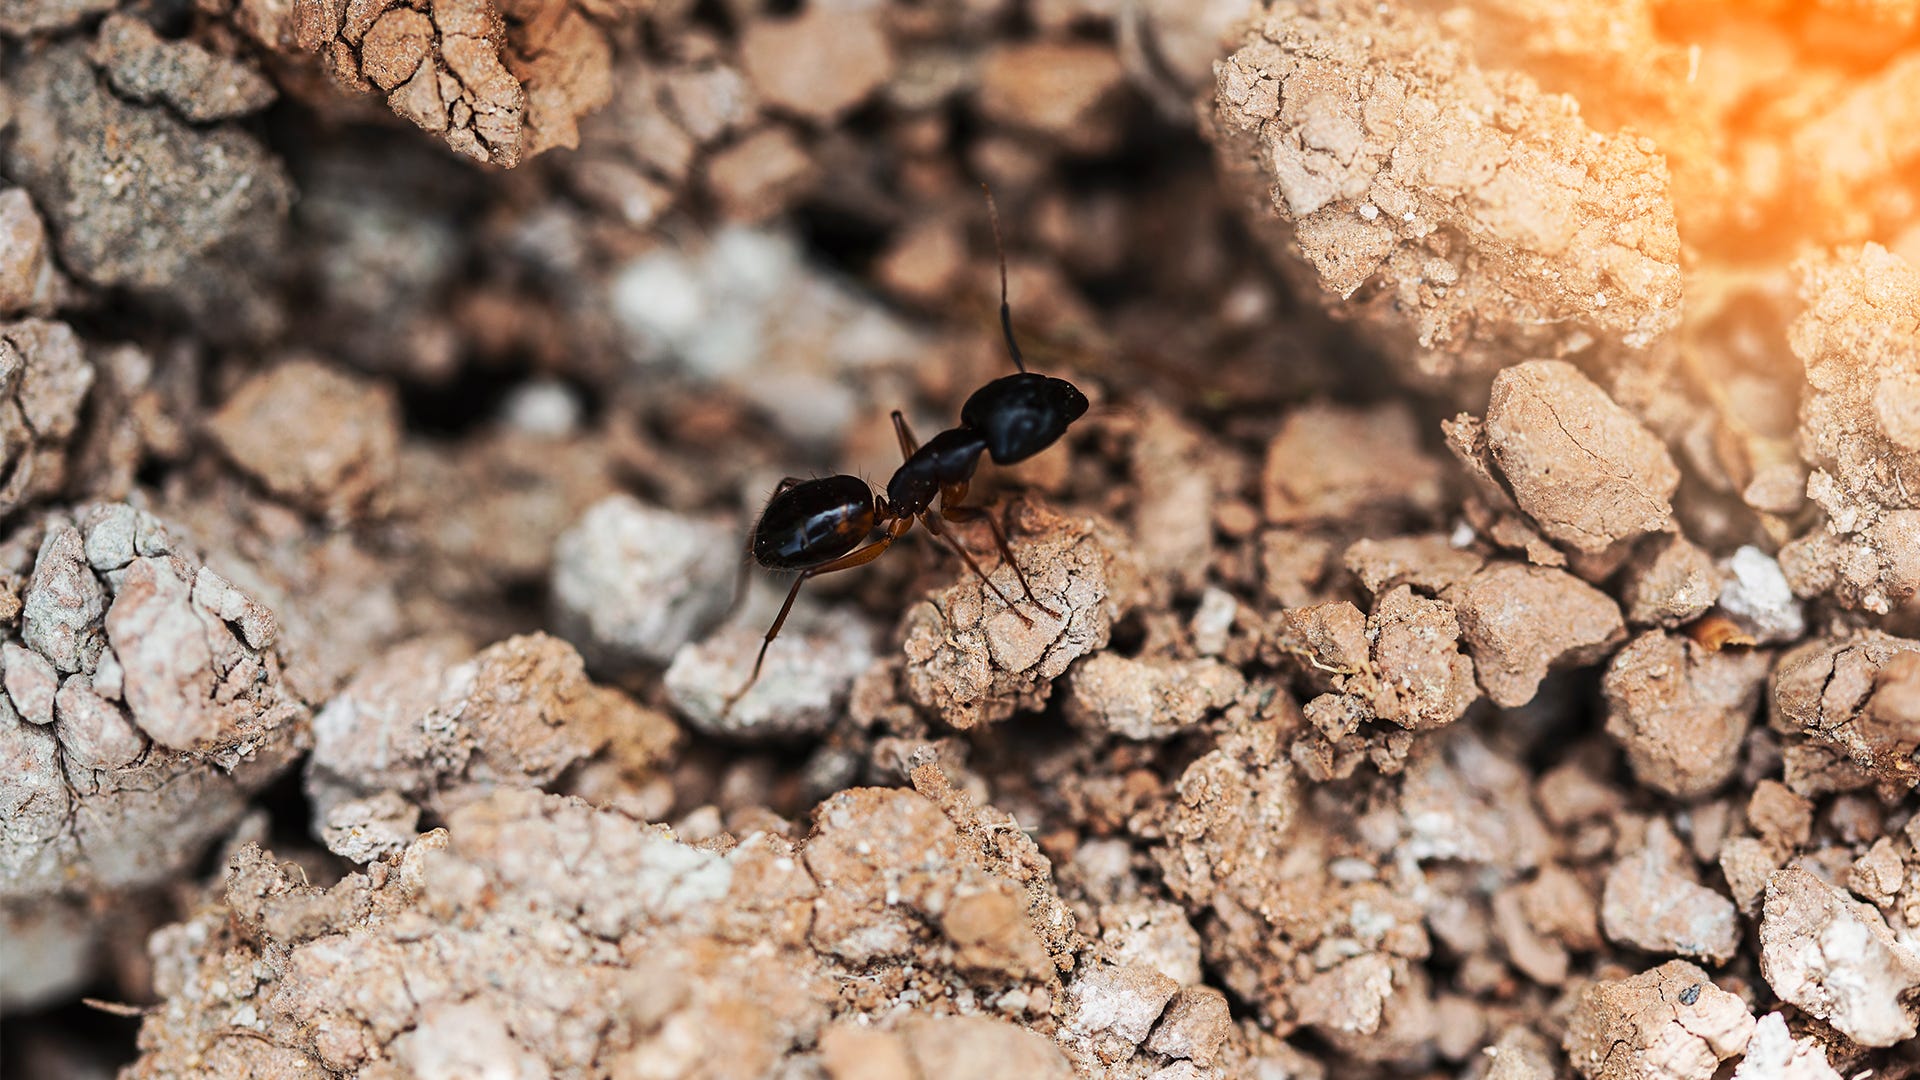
[1006, 316]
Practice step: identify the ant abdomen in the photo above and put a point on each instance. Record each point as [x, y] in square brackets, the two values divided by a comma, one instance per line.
[813, 522]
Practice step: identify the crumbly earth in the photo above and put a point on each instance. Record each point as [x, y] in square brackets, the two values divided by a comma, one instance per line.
[1474, 630]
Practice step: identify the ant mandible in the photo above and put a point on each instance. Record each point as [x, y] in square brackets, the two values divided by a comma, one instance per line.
[817, 526]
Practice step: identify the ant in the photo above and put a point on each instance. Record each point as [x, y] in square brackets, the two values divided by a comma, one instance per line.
[817, 526]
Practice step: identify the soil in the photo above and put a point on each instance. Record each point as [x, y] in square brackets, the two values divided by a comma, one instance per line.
[1473, 632]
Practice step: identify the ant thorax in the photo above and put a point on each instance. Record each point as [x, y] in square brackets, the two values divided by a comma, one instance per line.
[947, 459]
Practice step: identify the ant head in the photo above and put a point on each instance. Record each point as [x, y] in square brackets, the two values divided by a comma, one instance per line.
[1021, 415]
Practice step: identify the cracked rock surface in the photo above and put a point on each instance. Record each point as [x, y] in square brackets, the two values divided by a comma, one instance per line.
[144, 705]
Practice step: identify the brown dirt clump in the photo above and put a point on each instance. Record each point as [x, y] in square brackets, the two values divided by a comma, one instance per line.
[313, 437]
[497, 83]
[30, 282]
[144, 707]
[1375, 159]
[1681, 711]
[525, 713]
[1670, 1021]
[1330, 463]
[832, 918]
[1520, 621]
[1860, 341]
[199, 85]
[47, 378]
[973, 660]
[177, 229]
[1835, 957]
[1854, 697]
[1582, 467]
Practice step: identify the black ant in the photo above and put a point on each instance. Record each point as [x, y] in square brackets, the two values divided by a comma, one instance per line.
[817, 526]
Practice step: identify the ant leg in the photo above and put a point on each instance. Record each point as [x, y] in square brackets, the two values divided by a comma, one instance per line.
[908, 444]
[845, 562]
[932, 520]
[950, 497]
[772, 632]
[980, 513]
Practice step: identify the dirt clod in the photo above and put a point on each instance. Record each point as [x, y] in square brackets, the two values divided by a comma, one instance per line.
[30, 283]
[201, 86]
[440, 724]
[1671, 1021]
[1353, 122]
[1579, 465]
[179, 228]
[166, 719]
[1654, 903]
[1836, 958]
[818, 64]
[1670, 581]
[1851, 696]
[1518, 622]
[319, 439]
[1857, 338]
[1150, 699]
[1330, 464]
[1682, 711]
[498, 83]
[974, 660]
[633, 583]
[804, 683]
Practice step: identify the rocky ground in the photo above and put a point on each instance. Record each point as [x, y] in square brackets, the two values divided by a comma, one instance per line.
[1476, 636]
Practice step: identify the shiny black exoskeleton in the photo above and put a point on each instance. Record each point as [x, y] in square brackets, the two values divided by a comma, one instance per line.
[947, 459]
[809, 522]
[817, 526]
[1020, 415]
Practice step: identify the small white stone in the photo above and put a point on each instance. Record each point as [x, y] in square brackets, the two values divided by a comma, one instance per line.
[1120, 1002]
[802, 686]
[1774, 1054]
[634, 582]
[545, 407]
[1756, 592]
[1212, 620]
